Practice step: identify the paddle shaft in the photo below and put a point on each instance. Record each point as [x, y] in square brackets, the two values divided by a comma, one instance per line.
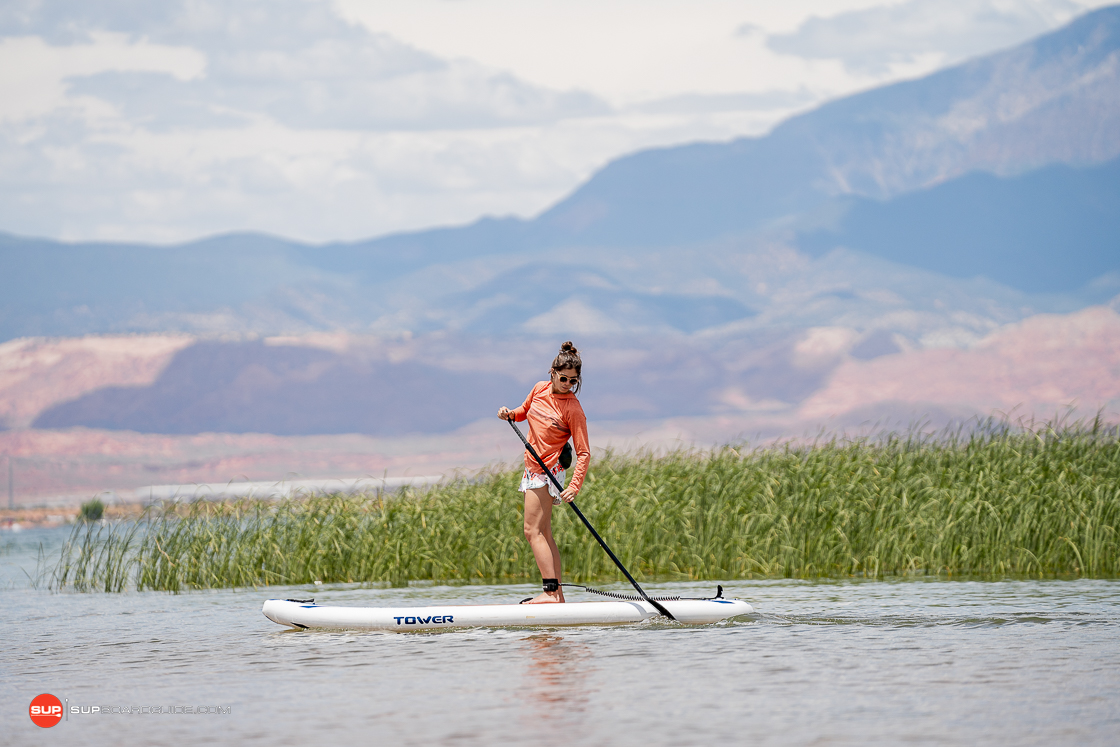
[587, 524]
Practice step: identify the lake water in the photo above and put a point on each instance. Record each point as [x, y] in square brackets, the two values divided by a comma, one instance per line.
[852, 662]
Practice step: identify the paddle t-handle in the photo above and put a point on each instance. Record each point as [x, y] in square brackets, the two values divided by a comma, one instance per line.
[657, 605]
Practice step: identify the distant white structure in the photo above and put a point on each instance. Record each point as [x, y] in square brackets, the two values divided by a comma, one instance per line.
[281, 489]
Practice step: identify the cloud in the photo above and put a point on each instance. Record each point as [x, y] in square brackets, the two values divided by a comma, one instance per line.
[451, 97]
[294, 62]
[166, 121]
[74, 181]
[62, 23]
[33, 73]
[874, 40]
[729, 102]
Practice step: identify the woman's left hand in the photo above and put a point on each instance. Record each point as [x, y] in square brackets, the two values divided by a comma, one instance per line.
[568, 495]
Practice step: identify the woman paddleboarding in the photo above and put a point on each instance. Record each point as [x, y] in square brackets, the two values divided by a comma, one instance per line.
[554, 416]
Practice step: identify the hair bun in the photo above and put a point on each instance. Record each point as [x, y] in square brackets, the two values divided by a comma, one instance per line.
[569, 358]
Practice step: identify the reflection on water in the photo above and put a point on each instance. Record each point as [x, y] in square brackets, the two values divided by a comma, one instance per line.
[557, 671]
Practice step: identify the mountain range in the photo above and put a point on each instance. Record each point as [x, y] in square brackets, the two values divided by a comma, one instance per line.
[710, 279]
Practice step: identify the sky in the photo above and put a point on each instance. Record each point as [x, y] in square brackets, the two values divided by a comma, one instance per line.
[325, 120]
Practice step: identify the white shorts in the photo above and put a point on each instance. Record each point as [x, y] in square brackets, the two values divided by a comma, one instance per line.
[528, 482]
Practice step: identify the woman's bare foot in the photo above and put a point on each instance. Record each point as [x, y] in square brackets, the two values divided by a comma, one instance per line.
[548, 597]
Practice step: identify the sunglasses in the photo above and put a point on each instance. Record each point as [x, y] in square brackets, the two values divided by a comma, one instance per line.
[565, 379]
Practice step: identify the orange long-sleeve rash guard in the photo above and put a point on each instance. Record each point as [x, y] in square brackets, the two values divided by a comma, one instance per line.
[553, 418]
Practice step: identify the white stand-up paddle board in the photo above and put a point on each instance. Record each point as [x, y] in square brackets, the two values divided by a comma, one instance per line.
[299, 614]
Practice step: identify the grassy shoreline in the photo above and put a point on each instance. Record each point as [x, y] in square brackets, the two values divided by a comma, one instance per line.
[996, 501]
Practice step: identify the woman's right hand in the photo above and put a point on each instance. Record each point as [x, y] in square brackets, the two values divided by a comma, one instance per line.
[505, 413]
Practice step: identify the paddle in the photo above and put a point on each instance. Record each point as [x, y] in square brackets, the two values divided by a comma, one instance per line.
[587, 524]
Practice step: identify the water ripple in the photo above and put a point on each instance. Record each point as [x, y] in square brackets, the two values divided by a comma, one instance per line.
[860, 662]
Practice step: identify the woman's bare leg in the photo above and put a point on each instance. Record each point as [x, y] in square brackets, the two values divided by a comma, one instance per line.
[538, 530]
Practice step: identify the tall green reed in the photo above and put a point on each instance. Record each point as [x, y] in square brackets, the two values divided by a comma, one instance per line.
[993, 501]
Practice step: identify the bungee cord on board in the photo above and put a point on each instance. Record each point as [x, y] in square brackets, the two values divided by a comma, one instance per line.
[636, 598]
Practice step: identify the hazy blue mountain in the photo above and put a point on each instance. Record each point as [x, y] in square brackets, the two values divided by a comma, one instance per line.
[1054, 229]
[1050, 231]
[668, 241]
[1055, 99]
[234, 283]
[1052, 100]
